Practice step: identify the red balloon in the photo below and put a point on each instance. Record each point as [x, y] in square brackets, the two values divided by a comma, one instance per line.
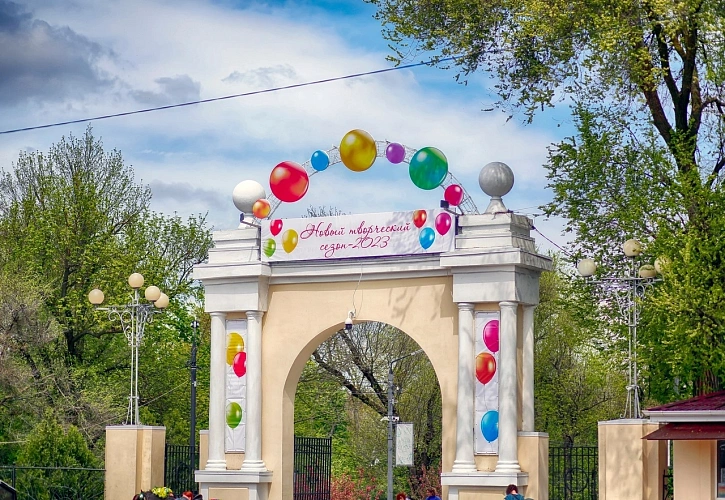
[240, 364]
[275, 227]
[490, 335]
[443, 223]
[453, 194]
[485, 367]
[289, 181]
[419, 218]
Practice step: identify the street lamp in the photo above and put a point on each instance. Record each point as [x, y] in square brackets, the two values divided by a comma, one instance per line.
[391, 400]
[133, 318]
[628, 291]
[192, 424]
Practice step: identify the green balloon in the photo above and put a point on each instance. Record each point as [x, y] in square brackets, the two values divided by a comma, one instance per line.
[428, 168]
[269, 247]
[234, 414]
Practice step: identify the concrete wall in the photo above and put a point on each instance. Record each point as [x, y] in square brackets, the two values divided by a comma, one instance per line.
[694, 464]
[533, 448]
[134, 460]
[630, 468]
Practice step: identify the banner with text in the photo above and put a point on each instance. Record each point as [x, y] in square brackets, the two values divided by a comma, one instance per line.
[364, 235]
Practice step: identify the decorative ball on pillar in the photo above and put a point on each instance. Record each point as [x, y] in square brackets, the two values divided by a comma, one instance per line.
[246, 193]
[496, 180]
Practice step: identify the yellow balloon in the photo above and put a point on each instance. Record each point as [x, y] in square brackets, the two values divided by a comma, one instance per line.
[289, 240]
[358, 150]
[235, 344]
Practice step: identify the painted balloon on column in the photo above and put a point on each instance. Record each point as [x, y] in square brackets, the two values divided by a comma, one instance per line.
[489, 425]
[234, 414]
[235, 345]
[239, 365]
[485, 367]
[491, 335]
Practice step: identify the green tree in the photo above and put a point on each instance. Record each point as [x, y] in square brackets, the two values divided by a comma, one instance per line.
[73, 219]
[647, 85]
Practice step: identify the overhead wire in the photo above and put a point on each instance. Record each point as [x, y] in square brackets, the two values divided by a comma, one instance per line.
[233, 96]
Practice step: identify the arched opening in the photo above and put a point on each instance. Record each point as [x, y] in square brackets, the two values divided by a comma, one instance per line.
[343, 398]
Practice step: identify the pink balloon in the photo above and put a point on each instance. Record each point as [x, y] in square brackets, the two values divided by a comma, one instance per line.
[453, 194]
[443, 223]
[490, 335]
[240, 364]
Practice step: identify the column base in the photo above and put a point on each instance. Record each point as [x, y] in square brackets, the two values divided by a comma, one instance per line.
[508, 466]
[215, 484]
[253, 466]
[216, 465]
[464, 466]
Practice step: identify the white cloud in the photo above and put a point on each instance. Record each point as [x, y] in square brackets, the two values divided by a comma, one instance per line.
[165, 51]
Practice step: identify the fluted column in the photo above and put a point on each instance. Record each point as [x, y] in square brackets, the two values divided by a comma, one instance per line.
[507, 391]
[217, 394]
[527, 396]
[464, 461]
[253, 449]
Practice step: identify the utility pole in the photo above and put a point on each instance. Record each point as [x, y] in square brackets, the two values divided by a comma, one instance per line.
[192, 433]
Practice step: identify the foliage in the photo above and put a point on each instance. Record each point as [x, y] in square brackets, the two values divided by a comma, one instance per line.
[362, 487]
[71, 220]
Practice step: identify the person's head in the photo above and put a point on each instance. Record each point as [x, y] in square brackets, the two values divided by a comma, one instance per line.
[400, 496]
[432, 492]
[512, 488]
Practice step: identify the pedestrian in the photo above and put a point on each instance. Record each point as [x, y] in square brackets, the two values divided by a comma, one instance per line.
[402, 496]
[432, 495]
[512, 493]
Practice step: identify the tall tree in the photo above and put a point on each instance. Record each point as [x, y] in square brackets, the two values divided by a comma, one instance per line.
[646, 81]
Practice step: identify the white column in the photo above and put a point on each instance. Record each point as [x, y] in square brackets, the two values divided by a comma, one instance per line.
[507, 398]
[217, 392]
[464, 461]
[253, 449]
[527, 395]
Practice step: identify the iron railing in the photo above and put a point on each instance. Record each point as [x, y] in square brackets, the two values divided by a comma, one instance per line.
[573, 472]
[312, 468]
[668, 488]
[178, 473]
[54, 483]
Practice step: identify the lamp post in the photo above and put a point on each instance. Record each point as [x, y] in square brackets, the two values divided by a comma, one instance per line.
[133, 318]
[628, 291]
[192, 366]
[391, 400]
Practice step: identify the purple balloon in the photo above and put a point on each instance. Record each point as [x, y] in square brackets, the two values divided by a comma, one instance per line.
[395, 153]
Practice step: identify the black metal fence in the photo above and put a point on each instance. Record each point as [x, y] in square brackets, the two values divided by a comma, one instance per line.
[668, 486]
[573, 472]
[312, 468]
[178, 473]
[54, 483]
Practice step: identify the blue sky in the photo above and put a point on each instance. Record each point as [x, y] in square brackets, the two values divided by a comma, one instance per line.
[71, 59]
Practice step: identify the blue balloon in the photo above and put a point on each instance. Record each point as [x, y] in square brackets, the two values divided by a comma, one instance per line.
[489, 425]
[320, 161]
[427, 237]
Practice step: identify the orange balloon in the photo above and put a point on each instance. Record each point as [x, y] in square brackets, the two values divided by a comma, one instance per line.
[485, 367]
[358, 150]
[289, 240]
[261, 208]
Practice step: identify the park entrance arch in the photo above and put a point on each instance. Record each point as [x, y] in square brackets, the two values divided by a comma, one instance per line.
[467, 298]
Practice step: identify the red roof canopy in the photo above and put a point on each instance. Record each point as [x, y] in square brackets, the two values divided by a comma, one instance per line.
[689, 431]
[708, 402]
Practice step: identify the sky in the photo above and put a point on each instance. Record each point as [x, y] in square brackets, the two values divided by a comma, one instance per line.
[73, 59]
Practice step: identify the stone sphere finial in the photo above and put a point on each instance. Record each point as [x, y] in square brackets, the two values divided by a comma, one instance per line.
[496, 180]
[246, 193]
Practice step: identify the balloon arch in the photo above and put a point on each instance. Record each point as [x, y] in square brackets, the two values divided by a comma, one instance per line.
[427, 167]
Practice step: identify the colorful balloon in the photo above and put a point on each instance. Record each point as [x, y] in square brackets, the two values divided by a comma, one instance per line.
[240, 364]
[489, 425]
[234, 414]
[428, 168]
[358, 150]
[485, 367]
[289, 181]
[269, 247]
[453, 195]
[443, 223]
[235, 345]
[319, 160]
[289, 240]
[419, 218]
[490, 335]
[261, 208]
[395, 153]
[427, 237]
[275, 227]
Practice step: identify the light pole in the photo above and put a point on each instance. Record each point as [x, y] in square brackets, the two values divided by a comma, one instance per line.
[628, 291]
[391, 400]
[192, 366]
[133, 318]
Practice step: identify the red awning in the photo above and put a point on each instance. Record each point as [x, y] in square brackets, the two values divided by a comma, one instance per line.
[693, 431]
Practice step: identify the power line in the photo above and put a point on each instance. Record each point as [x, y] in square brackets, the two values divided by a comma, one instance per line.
[233, 96]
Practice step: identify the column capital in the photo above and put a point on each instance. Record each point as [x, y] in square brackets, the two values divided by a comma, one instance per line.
[255, 314]
[218, 314]
[465, 306]
[508, 303]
